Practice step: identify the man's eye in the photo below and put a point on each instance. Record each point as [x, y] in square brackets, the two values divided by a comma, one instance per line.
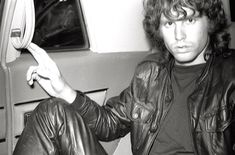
[168, 24]
[191, 21]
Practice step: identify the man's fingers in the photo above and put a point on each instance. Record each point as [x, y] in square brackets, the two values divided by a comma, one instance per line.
[44, 72]
[39, 54]
[30, 72]
[40, 71]
[43, 58]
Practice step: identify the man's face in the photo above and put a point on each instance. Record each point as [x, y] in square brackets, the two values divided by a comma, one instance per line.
[185, 38]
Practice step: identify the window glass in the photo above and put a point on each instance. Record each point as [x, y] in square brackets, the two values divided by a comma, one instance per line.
[59, 25]
[232, 11]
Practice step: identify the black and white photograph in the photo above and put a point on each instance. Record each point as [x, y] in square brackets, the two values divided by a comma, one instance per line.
[117, 77]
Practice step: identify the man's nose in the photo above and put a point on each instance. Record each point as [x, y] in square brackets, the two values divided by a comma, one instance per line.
[179, 31]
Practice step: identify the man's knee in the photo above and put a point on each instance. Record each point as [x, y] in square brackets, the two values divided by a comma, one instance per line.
[55, 118]
[49, 113]
[51, 106]
[56, 112]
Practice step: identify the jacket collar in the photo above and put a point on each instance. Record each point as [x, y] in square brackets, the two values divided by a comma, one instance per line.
[158, 58]
[205, 71]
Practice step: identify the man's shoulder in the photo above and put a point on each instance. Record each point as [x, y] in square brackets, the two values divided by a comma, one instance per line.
[228, 61]
[227, 64]
[153, 59]
[150, 65]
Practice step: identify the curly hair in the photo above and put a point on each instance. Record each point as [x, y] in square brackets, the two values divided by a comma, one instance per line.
[213, 9]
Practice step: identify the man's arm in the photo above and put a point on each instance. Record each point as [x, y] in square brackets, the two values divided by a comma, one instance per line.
[108, 122]
[48, 75]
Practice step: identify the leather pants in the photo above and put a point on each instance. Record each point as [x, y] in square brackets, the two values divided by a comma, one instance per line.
[55, 128]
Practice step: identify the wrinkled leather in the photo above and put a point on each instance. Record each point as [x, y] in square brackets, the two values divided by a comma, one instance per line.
[140, 109]
[55, 128]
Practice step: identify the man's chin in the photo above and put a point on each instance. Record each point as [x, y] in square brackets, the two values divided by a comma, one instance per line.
[184, 61]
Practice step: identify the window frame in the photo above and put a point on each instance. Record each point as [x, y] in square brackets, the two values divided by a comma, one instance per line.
[84, 33]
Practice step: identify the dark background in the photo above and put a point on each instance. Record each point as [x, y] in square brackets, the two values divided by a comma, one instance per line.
[232, 10]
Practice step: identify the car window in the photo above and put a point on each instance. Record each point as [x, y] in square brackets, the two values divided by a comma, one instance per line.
[232, 11]
[59, 25]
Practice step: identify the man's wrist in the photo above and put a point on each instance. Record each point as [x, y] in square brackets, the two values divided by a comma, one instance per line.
[68, 94]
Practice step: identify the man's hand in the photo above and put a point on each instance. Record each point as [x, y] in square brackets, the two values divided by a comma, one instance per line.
[48, 75]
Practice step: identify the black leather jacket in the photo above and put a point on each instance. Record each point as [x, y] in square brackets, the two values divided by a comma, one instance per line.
[141, 108]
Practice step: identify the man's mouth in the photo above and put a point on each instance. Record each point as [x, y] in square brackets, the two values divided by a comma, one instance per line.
[182, 46]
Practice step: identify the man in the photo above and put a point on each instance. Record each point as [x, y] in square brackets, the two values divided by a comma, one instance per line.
[180, 100]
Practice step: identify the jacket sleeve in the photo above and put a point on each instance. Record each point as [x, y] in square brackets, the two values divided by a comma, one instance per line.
[113, 120]
[108, 122]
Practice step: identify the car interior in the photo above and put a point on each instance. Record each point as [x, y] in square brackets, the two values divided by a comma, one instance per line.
[96, 45]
